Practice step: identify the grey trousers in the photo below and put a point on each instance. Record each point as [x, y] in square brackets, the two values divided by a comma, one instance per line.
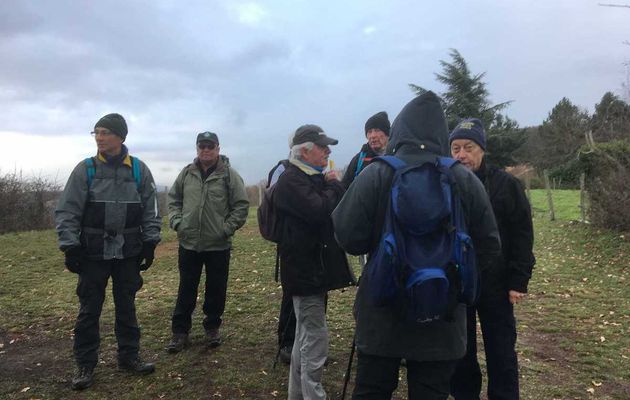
[310, 348]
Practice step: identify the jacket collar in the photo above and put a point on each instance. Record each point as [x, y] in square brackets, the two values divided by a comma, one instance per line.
[307, 169]
[222, 164]
[123, 158]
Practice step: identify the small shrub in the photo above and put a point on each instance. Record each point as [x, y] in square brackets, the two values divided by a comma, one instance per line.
[607, 167]
[26, 204]
[610, 200]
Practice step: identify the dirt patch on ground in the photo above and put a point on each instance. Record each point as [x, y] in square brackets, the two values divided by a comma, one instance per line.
[166, 249]
[32, 358]
[546, 348]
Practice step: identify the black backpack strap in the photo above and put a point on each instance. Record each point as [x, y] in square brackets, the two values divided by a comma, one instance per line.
[277, 273]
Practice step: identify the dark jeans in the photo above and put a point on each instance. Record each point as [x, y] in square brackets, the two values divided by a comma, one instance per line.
[190, 266]
[126, 281]
[377, 378]
[498, 328]
[286, 321]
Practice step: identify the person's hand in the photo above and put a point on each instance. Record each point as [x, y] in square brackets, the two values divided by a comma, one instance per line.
[74, 258]
[332, 175]
[515, 296]
[145, 260]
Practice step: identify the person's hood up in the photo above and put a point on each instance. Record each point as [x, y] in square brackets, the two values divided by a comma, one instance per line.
[420, 125]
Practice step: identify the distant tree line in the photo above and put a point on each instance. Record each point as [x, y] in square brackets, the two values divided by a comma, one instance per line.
[569, 141]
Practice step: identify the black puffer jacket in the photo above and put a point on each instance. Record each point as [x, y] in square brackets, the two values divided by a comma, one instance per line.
[514, 218]
[419, 134]
[366, 154]
[311, 261]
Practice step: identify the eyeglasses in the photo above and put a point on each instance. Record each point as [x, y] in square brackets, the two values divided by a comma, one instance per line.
[104, 132]
[210, 146]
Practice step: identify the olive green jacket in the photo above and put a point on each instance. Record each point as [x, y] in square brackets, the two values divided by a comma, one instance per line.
[206, 213]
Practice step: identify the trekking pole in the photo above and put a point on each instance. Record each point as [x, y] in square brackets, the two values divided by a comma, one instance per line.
[347, 378]
[284, 333]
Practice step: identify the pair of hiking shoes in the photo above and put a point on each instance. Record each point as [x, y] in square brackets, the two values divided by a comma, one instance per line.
[180, 341]
[84, 376]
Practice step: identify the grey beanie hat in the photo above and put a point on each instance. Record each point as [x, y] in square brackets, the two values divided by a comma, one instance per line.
[115, 123]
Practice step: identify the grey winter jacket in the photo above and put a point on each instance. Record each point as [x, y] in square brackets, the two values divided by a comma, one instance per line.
[206, 213]
[419, 134]
[112, 217]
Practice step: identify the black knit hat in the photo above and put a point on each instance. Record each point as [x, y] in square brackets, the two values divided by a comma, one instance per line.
[378, 121]
[471, 129]
[115, 123]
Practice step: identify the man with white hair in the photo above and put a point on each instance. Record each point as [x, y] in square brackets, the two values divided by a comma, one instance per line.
[311, 262]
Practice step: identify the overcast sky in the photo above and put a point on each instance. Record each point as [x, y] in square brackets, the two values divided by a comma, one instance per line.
[254, 71]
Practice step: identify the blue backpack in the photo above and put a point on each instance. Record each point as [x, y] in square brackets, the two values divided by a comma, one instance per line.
[425, 261]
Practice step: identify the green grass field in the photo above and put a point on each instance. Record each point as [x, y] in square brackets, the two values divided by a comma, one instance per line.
[566, 203]
[574, 327]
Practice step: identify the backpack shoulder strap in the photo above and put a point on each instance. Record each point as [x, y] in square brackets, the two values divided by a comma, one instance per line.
[393, 161]
[276, 171]
[227, 178]
[458, 219]
[447, 162]
[360, 163]
[135, 170]
[90, 170]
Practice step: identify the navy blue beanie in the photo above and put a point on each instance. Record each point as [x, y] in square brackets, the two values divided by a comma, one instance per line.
[471, 129]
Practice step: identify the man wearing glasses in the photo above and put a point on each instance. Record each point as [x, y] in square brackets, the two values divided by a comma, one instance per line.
[206, 205]
[108, 224]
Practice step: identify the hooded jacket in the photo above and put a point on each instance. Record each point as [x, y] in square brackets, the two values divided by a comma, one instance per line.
[419, 134]
[206, 212]
[111, 217]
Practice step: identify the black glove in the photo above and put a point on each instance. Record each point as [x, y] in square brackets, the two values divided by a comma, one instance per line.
[145, 260]
[74, 258]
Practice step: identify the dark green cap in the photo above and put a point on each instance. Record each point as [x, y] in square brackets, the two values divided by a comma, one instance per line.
[115, 123]
[208, 137]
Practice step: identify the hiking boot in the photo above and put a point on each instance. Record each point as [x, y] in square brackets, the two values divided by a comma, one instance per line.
[136, 366]
[285, 354]
[213, 338]
[83, 378]
[178, 343]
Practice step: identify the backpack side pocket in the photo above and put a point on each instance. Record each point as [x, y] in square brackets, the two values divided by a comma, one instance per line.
[467, 267]
[427, 294]
[381, 273]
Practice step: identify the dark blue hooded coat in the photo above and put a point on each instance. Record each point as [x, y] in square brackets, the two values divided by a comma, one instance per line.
[419, 134]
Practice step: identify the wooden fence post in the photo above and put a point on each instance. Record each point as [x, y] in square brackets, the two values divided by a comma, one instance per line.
[528, 186]
[582, 197]
[552, 214]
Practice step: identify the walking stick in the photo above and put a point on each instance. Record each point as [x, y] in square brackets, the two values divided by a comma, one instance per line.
[284, 333]
[347, 378]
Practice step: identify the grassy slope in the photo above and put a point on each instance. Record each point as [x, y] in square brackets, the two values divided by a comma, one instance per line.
[573, 329]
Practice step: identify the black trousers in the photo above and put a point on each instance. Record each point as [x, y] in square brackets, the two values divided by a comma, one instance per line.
[286, 321]
[126, 281]
[498, 327]
[377, 378]
[190, 266]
